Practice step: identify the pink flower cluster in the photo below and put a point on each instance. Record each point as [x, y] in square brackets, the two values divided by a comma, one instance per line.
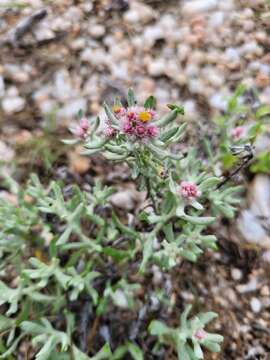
[82, 129]
[136, 122]
[200, 334]
[189, 190]
[237, 132]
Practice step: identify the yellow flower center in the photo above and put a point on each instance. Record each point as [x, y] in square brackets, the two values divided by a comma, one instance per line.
[145, 116]
[116, 109]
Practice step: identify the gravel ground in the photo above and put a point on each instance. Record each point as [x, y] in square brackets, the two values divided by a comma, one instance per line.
[58, 57]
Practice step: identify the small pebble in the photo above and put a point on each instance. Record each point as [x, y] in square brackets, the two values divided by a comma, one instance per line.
[255, 305]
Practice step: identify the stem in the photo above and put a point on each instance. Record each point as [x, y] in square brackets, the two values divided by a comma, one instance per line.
[150, 194]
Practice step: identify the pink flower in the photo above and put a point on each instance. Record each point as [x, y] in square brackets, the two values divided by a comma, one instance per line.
[127, 128]
[109, 131]
[237, 132]
[152, 131]
[140, 130]
[200, 334]
[131, 115]
[84, 124]
[153, 113]
[189, 190]
[80, 132]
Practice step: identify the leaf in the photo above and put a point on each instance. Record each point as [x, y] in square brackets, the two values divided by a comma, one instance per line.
[150, 102]
[70, 141]
[198, 220]
[110, 115]
[131, 98]
[208, 183]
[232, 104]
[198, 351]
[158, 328]
[262, 111]
[96, 144]
[168, 231]
[46, 350]
[212, 346]
[135, 351]
[179, 109]
[165, 120]
[104, 353]
[6, 323]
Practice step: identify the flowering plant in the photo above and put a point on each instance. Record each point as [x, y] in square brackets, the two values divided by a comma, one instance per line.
[94, 259]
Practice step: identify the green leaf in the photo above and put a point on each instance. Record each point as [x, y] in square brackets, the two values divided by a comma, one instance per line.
[212, 346]
[168, 118]
[150, 102]
[111, 115]
[233, 102]
[198, 220]
[158, 328]
[70, 141]
[135, 351]
[262, 111]
[179, 109]
[104, 353]
[96, 144]
[6, 323]
[209, 183]
[131, 98]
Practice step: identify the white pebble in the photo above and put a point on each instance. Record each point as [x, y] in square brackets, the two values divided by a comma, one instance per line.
[255, 305]
[13, 105]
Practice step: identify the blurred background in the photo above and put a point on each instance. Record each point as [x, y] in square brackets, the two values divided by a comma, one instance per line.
[61, 56]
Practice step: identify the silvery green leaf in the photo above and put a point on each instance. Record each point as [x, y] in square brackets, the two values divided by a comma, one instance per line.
[168, 231]
[131, 98]
[104, 353]
[116, 149]
[96, 126]
[135, 351]
[177, 136]
[6, 323]
[79, 355]
[184, 317]
[180, 211]
[96, 144]
[189, 255]
[214, 337]
[111, 115]
[158, 328]
[168, 118]
[196, 205]
[70, 141]
[117, 157]
[198, 351]
[47, 348]
[208, 183]
[198, 220]
[167, 135]
[212, 346]
[182, 352]
[147, 253]
[205, 318]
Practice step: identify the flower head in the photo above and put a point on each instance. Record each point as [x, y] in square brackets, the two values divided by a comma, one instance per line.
[152, 131]
[141, 130]
[237, 132]
[144, 116]
[189, 190]
[109, 131]
[82, 129]
[84, 124]
[200, 334]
